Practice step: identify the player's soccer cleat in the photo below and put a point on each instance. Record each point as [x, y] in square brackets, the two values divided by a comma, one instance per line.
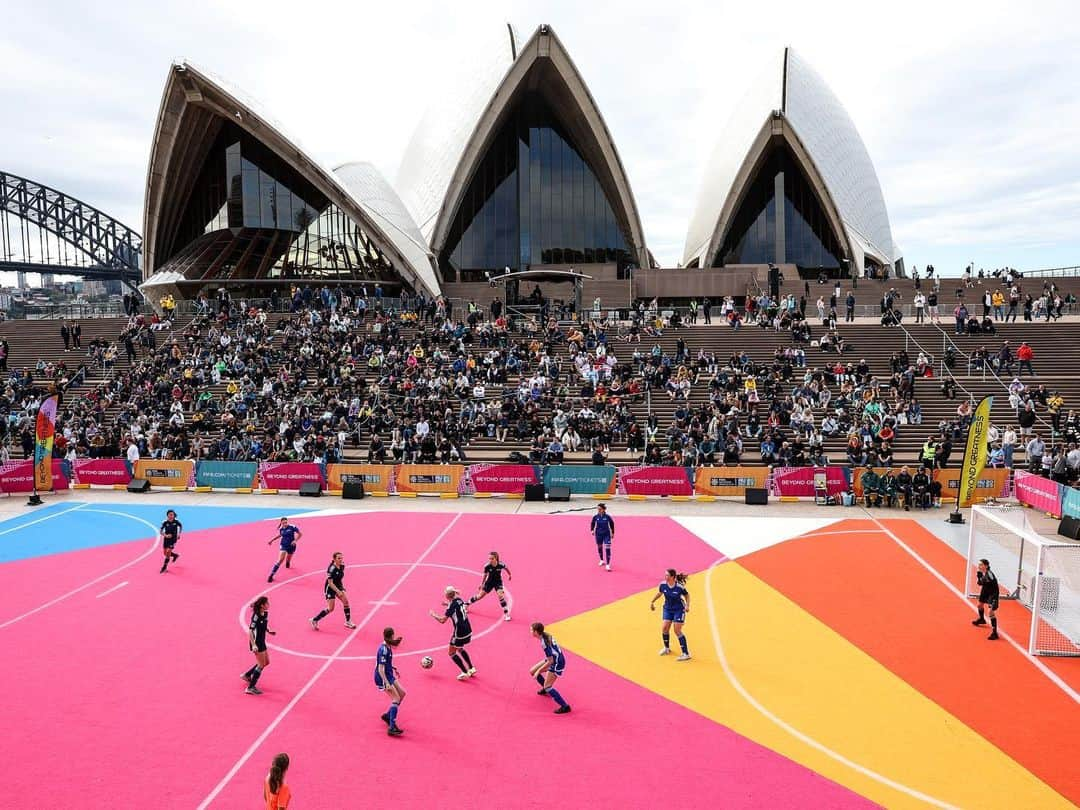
[394, 731]
[600, 563]
[683, 657]
[978, 622]
[563, 710]
[463, 676]
[350, 626]
[665, 651]
[314, 624]
[175, 557]
[506, 618]
[163, 568]
[472, 672]
[609, 567]
[253, 690]
[385, 718]
[270, 579]
[992, 636]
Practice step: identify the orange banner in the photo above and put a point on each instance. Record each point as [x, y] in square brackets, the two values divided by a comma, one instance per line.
[993, 482]
[163, 472]
[729, 480]
[374, 477]
[429, 477]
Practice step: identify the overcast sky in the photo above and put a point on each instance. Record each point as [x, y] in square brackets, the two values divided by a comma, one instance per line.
[970, 112]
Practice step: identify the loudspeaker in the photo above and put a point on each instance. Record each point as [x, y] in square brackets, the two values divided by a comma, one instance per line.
[558, 493]
[1069, 527]
[757, 497]
[138, 485]
[352, 490]
[312, 489]
[534, 492]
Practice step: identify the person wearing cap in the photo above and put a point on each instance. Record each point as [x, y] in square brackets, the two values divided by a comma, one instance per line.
[458, 614]
[603, 530]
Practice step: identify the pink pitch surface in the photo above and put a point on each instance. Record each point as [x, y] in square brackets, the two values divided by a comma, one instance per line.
[133, 698]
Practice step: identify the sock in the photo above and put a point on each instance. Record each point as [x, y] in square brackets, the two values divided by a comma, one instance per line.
[556, 696]
[540, 680]
[392, 714]
[273, 570]
[461, 664]
[250, 672]
[607, 551]
[288, 561]
[322, 615]
[600, 551]
[682, 643]
[348, 613]
[256, 671]
[981, 614]
[472, 600]
[993, 623]
[465, 656]
[667, 639]
[502, 602]
[165, 564]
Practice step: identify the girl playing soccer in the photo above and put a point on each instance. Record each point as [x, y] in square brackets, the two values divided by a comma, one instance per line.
[676, 606]
[550, 669]
[492, 581]
[257, 630]
[462, 635]
[334, 588]
[170, 533]
[387, 681]
[287, 535]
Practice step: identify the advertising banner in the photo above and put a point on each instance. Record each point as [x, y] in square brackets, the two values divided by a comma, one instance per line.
[101, 471]
[44, 433]
[638, 480]
[992, 483]
[974, 453]
[374, 477]
[428, 477]
[289, 474]
[729, 481]
[1041, 493]
[499, 478]
[226, 474]
[1070, 501]
[18, 476]
[583, 479]
[166, 472]
[798, 482]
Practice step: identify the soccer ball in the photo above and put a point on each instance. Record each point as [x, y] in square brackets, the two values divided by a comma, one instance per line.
[426, 662]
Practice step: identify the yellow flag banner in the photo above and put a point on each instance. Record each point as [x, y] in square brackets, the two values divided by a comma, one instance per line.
[975, 452]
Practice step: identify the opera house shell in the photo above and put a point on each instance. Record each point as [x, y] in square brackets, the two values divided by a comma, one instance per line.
[791, 182]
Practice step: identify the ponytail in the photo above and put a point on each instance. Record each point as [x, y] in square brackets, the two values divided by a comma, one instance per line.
[538, 627]
[681, 577]
[277, 772]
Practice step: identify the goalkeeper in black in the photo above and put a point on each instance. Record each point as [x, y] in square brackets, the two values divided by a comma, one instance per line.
[988, 597]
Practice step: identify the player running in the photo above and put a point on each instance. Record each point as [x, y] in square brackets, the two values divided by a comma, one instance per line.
[333, 589]
[257, 631]
[387, 681]
[676, 606]
[550, 669]
[988, 597]
[170, 533]
[492, 581]
[462, 635]
[603, 529]
[287, 535]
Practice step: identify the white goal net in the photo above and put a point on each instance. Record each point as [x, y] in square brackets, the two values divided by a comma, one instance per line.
[1041, 573]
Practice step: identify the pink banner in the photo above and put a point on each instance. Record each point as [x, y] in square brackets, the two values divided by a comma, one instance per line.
[800, 482]
[1038, 492]
[101, 471]
[637, 480]
[289, 474]
[499, 478]
[18, 476]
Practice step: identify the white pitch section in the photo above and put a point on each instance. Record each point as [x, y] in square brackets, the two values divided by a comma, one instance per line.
[738, 536]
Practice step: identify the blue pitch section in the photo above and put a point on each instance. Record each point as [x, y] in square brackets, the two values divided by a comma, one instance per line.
[60, 528]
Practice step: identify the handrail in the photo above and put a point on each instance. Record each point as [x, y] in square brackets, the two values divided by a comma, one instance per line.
[944, 370]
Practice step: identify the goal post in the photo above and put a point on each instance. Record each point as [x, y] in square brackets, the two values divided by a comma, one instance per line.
[1041, 573]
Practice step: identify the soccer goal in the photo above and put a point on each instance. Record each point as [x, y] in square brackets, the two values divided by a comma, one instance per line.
[1040, 573]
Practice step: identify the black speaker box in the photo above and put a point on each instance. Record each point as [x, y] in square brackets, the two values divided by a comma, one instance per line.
[534, 492]
[138, 485]
[1069, 527]
[312, 489]
[756, 496]
[352, 490]
[558, 493]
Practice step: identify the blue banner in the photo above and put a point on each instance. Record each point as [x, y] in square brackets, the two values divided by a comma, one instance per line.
[583, 479]
[1070, 503]
[226, 474]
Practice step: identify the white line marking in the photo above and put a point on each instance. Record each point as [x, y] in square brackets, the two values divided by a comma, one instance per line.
[1039, 665]
[113, 588]
[41, 519]
[96, 580]
[320, 671]
[794, 732]
[381, 604]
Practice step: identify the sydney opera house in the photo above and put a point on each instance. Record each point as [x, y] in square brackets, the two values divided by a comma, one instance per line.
[514, 177]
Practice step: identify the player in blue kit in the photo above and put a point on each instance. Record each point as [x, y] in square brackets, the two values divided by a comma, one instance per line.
[458, 614]
[287, 535]
[386, 679]
[603, 529]
[258, 629]
[171, 529]
[550, 669]
[676, 606]
[334, 589]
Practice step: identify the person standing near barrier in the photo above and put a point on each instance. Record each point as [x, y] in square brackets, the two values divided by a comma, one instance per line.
[603, 530]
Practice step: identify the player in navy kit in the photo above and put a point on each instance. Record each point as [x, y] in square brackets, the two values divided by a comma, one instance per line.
[988, 597]
[287, 535]
[387, 681]
[492, 581]
[257, 631]
[550, 669]
[603, 529]
[676, 606]
[170, 533]
[333, 589]
[458, 614]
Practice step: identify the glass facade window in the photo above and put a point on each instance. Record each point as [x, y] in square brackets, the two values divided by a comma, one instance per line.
[533, 200]
[808, 240]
